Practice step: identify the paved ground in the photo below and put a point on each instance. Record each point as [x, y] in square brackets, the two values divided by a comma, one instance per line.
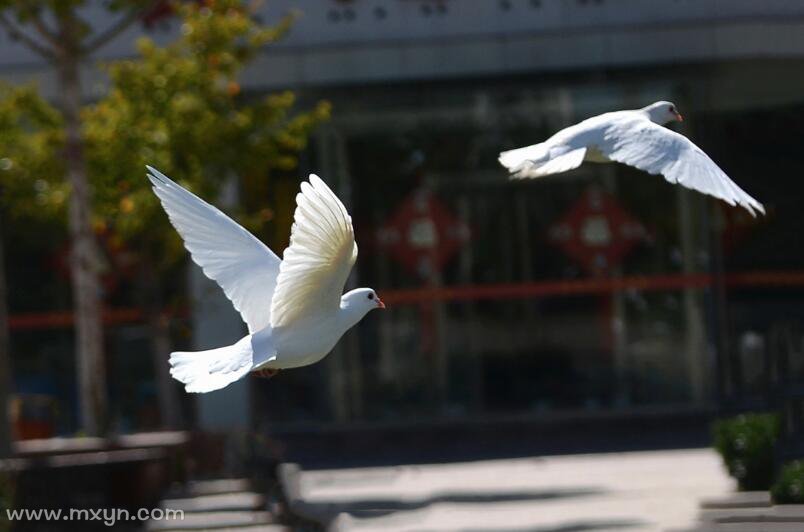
[631, 492]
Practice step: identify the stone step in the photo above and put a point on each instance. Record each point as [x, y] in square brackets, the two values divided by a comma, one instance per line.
[243, 501]
[254, 528]
[792, 513]
[216, 487]
[742, 499]
[744, 527]
[218, 520]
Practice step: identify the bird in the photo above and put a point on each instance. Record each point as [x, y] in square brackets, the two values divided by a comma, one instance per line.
[636, 138]
[294, 307]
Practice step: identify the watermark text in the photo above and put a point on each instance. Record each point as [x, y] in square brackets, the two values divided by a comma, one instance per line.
[108, 516]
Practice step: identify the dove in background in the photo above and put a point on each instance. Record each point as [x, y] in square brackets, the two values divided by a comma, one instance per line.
[635, 138]
[294, 308]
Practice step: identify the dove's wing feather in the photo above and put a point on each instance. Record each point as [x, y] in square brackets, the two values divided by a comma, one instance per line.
[318, 260]
[638, 142]
[242, 265]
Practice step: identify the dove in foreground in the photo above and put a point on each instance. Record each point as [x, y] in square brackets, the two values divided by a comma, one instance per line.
[294, 307]
[635, 138]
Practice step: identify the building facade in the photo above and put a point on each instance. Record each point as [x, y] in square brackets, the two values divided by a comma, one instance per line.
[602, 290]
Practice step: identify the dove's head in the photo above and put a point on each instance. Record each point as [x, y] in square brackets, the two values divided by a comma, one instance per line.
[663, 112]
[359, 301]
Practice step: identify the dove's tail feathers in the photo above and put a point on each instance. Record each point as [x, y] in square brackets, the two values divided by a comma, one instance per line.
[513, 159]
[205, 371]
[541, 160]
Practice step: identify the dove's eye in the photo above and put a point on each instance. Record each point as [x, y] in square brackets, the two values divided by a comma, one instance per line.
[371, 296]
[672, 109]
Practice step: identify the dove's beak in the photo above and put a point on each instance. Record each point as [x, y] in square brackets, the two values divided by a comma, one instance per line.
[679, 117]
[380, 304]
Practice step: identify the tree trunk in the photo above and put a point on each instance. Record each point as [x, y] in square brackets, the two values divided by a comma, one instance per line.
[84, 260]
[5, 363]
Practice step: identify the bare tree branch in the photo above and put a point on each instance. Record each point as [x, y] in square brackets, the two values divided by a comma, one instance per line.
[120, 26]
[46, 33]
[31, 43]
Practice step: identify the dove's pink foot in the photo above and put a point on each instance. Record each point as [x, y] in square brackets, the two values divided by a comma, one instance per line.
[265, 373]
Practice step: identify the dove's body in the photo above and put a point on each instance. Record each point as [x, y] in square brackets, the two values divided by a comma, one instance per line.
[283, 348]
[293, 307]
[309, 340]
[635, 138]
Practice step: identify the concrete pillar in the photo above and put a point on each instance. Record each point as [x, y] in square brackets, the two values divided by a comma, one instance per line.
[216, 323]
[694, 332]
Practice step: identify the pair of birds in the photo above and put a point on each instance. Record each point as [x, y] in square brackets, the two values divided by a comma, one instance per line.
[293, 306]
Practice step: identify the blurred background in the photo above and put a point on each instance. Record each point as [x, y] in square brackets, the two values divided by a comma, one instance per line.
[601, 310]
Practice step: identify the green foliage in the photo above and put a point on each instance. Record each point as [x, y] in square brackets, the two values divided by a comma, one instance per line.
[31, 139]
[746, 444]
[789, 488]
[180, 109]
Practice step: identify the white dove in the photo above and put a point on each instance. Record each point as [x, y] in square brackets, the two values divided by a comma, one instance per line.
[293, 307]
[635, 138]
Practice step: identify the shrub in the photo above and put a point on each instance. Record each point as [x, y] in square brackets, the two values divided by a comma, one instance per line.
[789, 488]
[746, 444]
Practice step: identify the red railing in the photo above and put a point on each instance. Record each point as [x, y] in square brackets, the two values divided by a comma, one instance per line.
[49, 320]
[643, 283]
[579, 287]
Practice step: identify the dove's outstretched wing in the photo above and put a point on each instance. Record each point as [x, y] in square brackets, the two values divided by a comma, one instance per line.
[318, 260]
[242, 265]
[640, 143]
